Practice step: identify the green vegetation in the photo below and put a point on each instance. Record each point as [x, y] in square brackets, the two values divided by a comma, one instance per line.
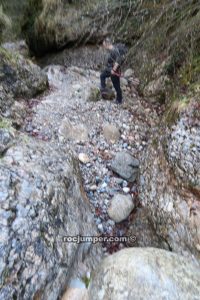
[5, 23]
[14, 10]
[5, 124]
[86, 281]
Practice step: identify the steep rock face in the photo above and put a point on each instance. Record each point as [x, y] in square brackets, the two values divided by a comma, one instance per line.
[19, 78]
[51, 25]
[41, 201]
[170, 183]
[145, 274]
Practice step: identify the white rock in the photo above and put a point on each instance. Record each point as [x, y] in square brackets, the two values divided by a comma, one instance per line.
[100, 227]
[126, 190]
[93, 188]
[124, 81]
[75, 294]
[128, 73]
[84, 158]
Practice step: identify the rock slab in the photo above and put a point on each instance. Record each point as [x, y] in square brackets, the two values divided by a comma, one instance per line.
[41, 201]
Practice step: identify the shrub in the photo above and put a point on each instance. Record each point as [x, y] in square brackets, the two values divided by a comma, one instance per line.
[4, 23]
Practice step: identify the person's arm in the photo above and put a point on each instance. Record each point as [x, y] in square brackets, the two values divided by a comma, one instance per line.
[116, 66]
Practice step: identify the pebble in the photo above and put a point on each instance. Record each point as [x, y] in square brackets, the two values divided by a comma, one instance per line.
[93, 188]
[104, 185]
[126, 190]
[119, 181]
[100, 227]
[83, 158]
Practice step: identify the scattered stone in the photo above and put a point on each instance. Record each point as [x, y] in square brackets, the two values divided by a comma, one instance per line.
[128, 73]
[93, 188]
[83, 158]
[111, 133]
[120, 208]
[76, 294]
[126, 190]
[18, 113]
[124, 81]
[94, 94]
[125, 166]
[108, 94]
[119, 181]
[6, 137]
[104, 185]
[77, 132]
[100, 227]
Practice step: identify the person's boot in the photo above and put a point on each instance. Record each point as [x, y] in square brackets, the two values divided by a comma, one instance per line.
[118, 102]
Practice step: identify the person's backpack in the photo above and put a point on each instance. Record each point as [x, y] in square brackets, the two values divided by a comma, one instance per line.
[123, 50]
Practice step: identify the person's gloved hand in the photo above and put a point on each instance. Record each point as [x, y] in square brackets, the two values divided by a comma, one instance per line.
[115, 73]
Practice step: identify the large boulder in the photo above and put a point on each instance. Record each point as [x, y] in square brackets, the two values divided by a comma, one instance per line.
[54, 24]
[19, 78]
[170, 182]
[41, 202]
[145, 273]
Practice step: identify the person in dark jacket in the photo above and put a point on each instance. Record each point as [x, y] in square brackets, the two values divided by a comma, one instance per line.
[112, 69]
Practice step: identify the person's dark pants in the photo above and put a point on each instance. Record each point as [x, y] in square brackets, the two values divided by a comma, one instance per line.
[115, 81]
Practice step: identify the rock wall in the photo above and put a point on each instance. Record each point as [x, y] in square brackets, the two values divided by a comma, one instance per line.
[170, 182]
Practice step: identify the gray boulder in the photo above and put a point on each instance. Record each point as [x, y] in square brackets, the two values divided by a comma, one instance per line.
[20, 78]
[125, 166]
[121, 207]
[145, 273]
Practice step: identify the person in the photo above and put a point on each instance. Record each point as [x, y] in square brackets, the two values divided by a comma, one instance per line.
[112, 70]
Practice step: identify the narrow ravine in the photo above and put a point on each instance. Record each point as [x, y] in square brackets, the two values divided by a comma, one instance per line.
[95, 131]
